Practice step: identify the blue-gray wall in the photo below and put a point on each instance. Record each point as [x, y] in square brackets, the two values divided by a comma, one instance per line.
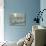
[29, 7]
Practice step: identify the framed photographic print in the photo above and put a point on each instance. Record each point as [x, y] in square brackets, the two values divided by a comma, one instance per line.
[18, 19]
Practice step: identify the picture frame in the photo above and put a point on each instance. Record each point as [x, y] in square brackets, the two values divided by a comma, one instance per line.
[17, 19]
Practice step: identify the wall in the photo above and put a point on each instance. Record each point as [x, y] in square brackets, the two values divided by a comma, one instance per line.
[43, 6]
[1, 21]
[29, 7]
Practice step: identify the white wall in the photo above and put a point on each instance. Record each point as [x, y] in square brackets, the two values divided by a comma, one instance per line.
[1, 21]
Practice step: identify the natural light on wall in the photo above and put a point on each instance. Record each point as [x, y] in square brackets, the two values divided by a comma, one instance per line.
[1, 20]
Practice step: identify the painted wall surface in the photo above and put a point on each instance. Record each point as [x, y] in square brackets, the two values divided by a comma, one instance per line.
[29, 7]
[1, 21]
[43, 6]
